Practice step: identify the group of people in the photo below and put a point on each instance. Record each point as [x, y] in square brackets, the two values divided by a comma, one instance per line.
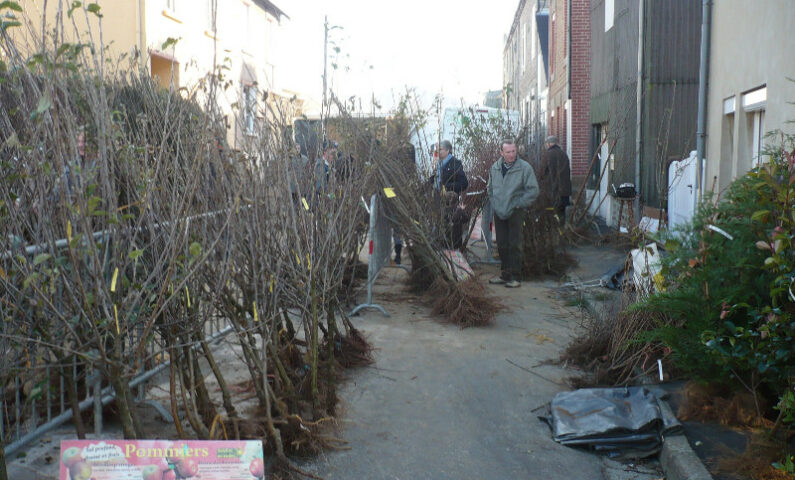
[512, 188]
[305, 179]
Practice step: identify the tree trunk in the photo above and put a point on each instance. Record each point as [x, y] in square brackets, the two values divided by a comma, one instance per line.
[123, 396]
[173, 390]
[314, 346]
[190, 405]
[3, 472]
[331, 337]
[70, 383]
[203, 400]
[226, 396]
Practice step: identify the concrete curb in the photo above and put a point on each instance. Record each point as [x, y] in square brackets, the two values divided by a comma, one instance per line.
[678, 460]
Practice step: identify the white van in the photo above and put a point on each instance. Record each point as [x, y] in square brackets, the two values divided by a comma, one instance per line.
[451, 125]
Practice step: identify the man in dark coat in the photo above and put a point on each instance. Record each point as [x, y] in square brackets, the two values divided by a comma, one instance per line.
[556, 176]
[449, 172]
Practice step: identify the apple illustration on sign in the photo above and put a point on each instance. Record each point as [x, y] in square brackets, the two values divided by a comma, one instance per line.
[170, 475]
[257, 468]
[80, 471]
[152, 472]
[187, 467]
[71, 456]
[181, 447]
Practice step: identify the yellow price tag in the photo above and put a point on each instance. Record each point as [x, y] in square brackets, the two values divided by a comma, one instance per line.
[113, 280]
[306, 205]
[256, 316]
[116, 314]
[297, 258]
[187, 294]
[390, 192]
[308, 263]
[69, 230]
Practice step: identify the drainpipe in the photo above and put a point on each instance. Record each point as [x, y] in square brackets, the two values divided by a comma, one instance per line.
[568, 51]
[701, 134]
[639, 99]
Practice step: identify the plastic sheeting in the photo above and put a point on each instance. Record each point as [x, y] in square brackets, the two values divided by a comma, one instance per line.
[624, 422]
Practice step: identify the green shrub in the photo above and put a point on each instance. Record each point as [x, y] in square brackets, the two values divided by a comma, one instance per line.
[732, 300]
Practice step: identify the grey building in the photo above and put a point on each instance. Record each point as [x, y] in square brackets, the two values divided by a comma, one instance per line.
[752, 59]
[644, 92]
[525, 68]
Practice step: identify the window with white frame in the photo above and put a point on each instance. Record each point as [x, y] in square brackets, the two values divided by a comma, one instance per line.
[758, 140]
[610, 13]
[249, 108]
[754, 103]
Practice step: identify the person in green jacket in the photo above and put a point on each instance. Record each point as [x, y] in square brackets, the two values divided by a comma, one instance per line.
[512, 188]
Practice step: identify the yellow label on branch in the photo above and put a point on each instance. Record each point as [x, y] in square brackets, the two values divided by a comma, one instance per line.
[390, 192]
[256, 316]
[69, 230]
[187, 295]
[306, 205]
[116, 315]
[113, 280]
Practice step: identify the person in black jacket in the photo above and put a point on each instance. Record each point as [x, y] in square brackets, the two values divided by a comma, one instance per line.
[556, 176]
[449, 172]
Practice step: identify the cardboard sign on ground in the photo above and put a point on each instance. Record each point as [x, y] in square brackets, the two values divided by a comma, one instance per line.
[161, 460]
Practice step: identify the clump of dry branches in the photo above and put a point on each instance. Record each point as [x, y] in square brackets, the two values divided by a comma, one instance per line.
[423, 217]
[133, 235]
[608, 348]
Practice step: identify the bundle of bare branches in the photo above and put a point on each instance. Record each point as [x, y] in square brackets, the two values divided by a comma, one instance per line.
[607, 348]
[544, 243]
[423, 216]
[133, 236]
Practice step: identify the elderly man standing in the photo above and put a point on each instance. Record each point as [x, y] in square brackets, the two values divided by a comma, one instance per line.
[449, 174]
[555, 173]
[512, 188]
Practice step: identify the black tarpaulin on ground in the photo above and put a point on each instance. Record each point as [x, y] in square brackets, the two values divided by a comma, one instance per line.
[626, 422]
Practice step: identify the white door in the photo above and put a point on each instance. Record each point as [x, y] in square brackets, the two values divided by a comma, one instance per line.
[681, 191]
[604, 186]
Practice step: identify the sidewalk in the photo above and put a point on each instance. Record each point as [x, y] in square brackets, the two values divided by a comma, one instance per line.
[446, 403]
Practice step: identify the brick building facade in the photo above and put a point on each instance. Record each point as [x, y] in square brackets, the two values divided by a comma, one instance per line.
[568, 116]
[525, 72]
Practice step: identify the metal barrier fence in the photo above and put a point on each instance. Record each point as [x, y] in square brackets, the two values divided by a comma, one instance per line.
[47, 406]
[380, 246]
[486, 218]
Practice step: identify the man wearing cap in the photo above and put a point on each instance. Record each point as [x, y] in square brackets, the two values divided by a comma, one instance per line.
[555, 174]
[512, 188]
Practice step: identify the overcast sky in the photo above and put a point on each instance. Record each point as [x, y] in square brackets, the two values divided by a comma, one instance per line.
[436, 46]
